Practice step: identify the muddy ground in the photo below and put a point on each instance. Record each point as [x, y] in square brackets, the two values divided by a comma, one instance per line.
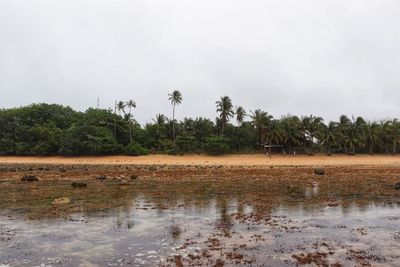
[236, 236]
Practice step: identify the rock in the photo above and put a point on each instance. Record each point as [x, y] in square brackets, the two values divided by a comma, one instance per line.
[61, 201]
[319, 171]
[134, 177]
[123, 182]
[29, 178]
[397, 186]
[78, 184]
[101, 177]
[62, 170]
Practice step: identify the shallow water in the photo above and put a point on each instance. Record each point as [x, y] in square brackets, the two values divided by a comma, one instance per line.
[205, 223]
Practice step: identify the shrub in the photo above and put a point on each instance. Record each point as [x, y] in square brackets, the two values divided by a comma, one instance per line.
[216, 145]
[136, 149]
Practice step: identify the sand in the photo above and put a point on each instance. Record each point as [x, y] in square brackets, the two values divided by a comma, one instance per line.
[227, 160]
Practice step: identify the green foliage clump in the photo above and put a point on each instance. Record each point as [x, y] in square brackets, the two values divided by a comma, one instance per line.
[136, 149]
[216, 145]
[83, 139]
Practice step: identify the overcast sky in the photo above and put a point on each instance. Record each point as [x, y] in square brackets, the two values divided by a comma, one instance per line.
[318, 57]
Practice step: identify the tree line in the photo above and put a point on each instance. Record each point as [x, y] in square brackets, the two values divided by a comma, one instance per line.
[50, 129]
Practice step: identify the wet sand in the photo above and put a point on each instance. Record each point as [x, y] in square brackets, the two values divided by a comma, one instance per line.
[227, 160]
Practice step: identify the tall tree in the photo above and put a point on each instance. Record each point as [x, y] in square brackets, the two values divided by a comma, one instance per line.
[330, 136]
[344, 128]
[260, 121]
[121, 107]
[176, 98]
[292, 134]
[225, 109]
[240, 114]
[372, 135]
[312, 130]
[130, 104]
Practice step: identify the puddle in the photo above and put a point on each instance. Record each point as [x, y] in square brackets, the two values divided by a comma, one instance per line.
[213, 223]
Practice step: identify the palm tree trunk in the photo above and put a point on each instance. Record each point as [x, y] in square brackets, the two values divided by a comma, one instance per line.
[130, 131]
[173, 123]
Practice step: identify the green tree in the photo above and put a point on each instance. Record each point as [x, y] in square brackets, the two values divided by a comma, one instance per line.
[292, 133]
[372, 135]
[225, 109]
[240, 114]
[121, 107]
[260, 121]
[175, 98]
[130, 104]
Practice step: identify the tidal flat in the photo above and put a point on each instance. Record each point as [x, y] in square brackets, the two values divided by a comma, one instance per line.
[163, 215]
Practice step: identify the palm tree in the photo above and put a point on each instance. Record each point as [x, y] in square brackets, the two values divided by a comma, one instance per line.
[176, 98]
[130, 104]
[372, 135]
[225, 108]
[292, 133]
[121, 107]
[392, 134]
[312, 129]
[240, 115]
[344, 127]
[330, 137]
[260, 121]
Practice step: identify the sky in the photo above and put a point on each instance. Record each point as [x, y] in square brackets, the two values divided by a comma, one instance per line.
[319, 57]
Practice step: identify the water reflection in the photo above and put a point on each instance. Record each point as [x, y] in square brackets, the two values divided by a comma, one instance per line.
[202, 223]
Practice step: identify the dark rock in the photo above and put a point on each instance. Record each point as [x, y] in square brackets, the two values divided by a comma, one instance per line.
[101, 177]
[134, 177]
[62, 170]
[397, 186]
[29, 178]
[78, 184]
[319, 171]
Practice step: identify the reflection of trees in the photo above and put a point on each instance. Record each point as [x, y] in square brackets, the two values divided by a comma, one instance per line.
[224, 223]
[261, 194]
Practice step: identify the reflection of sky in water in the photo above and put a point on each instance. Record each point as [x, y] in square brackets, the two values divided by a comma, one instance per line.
[144, 235]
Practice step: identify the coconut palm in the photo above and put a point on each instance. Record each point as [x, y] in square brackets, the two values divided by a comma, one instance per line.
[344, 127]
[292, 134]
[176, 98]
[240, 114]
[225, 108]
[130, 104]
[260, 121]
[312, 130]
[121, 107]
[331, 136]
[391, 131]
[372, 135]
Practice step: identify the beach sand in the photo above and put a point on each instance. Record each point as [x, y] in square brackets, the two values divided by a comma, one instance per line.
[227, 160]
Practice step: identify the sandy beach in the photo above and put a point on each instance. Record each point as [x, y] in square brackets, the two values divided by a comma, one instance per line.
[227, 160]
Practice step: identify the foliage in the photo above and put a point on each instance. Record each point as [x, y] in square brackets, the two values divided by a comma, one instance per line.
[216, 145]
[136, 149]
[48, 129]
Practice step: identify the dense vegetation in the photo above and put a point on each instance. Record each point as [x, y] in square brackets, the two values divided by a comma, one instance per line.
[43, 129]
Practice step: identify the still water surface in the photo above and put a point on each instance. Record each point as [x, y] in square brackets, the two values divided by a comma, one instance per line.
[202, 223]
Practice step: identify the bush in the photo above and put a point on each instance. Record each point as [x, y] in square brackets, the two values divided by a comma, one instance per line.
[136, 149]
[216, 145]
[84, 139]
